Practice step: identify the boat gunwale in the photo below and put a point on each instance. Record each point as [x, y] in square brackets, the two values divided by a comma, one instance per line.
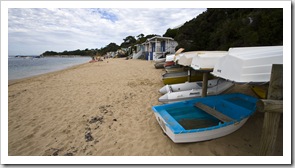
[193, 101]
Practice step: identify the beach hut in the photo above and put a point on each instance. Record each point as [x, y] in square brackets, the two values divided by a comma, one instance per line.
[157, 46]
[138, 52]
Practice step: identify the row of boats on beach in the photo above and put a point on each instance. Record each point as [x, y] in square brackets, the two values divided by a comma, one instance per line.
[194, 108]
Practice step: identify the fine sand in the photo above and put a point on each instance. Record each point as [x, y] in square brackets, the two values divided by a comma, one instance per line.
[105, 109]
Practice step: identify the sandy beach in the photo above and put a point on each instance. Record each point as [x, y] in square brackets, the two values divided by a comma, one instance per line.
[104, 109]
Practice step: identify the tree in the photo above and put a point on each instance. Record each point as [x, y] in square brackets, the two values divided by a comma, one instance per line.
[140, 39]
[128, 41]
[220, 29]
[171, 33]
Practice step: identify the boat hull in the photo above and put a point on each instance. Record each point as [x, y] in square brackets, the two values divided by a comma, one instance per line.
[184, 122]
[221, 86]
[207, 60]
[248, 64]
[174, 69]
[187, 86]
[159, 65]
[181, 77]
[199, 136]
[160, 60]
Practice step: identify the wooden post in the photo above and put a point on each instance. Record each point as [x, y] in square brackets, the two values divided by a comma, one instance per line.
[189, 75]
[270, 106]
[272, 119]
[205, 84]
[205, 80]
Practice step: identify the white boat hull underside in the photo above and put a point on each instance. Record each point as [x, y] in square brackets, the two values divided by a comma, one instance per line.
[248, 64]
[207, 60]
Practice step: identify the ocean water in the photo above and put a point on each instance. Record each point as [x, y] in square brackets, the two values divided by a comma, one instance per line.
[26, 67]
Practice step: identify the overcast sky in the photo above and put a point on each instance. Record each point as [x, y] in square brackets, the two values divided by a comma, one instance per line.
[36, 30]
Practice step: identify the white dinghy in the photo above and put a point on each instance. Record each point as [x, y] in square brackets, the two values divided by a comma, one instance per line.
[169, 57]
[207, 60]
[249, 64]
[186, 58]
[187, 86]
[220, 86]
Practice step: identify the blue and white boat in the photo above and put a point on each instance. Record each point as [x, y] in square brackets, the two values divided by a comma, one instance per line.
[202, 119]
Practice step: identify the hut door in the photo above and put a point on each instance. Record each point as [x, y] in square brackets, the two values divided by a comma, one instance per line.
[163, 46]
[153, 50]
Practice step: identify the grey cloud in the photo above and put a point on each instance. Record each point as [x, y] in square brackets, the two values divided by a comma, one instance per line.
[73, 28]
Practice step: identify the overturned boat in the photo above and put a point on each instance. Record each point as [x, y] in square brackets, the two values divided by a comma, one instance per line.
[205, 118]
[159, 65]
[220, 85]
[206, 60]
[248, 64]
[186, 58]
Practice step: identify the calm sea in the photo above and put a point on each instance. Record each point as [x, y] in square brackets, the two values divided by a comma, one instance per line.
[26, 67]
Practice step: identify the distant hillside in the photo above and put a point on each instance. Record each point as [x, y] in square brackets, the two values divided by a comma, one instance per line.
[220, 29]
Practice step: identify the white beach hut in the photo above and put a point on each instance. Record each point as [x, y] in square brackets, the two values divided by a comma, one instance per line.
[157, 46]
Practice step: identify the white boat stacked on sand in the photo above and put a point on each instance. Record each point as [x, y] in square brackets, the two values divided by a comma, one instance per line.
[248, 64]
[186, 58]
[169, 57]
[159, 58]
[187, 86]
[178, 54]
[218, 86]
[160, 61]
[207, 59]
[171, 65]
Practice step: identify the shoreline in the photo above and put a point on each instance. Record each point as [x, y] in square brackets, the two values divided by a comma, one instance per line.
[14, 81]
[105, 109]
[30, 69]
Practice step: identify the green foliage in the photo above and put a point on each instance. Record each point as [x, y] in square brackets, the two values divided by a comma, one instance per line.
[171, 33]
[150, 36]
[220, 29]
[128, 41]
[110, 47]
[50, 53]
[141, 38]
[85, 52]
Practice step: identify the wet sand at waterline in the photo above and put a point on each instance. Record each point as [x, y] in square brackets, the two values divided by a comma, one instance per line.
[105, 109]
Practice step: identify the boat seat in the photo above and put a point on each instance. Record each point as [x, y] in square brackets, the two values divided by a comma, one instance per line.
[213, 112]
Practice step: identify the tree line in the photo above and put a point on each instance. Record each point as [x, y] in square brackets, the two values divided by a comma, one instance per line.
[127, 42]
[220, 29]
[214, 29]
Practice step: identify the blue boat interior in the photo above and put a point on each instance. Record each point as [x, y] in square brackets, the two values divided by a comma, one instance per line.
[185, 117]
